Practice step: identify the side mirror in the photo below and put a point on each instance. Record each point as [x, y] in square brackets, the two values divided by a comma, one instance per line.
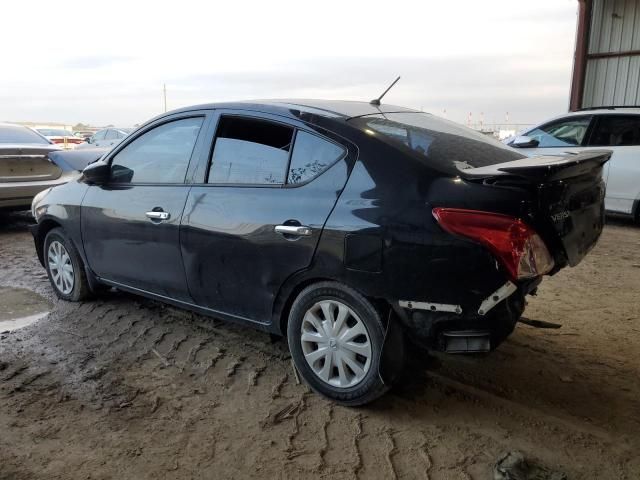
[523, 141]
[89, 140]
[97, 172]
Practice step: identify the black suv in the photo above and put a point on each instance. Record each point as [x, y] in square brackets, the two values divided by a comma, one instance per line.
[343, 225]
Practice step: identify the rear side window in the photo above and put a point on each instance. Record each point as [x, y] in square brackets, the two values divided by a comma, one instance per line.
[568, 132]
[250, 151]
[311, 156]
[160, 155]
[616, 131]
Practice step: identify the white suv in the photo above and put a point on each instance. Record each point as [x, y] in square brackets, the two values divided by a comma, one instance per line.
[611, 128]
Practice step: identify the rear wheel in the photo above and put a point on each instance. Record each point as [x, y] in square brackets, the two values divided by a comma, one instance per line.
[65, 267]
[335, 336]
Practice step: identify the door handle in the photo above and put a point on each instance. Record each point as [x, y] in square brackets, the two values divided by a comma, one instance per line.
[297, 230]
[158, 215]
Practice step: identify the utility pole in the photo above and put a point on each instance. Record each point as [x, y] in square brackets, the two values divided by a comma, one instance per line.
[165, 96]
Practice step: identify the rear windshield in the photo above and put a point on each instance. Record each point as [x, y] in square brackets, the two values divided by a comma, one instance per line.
[17, 134]
[55, 132]
[444, 144]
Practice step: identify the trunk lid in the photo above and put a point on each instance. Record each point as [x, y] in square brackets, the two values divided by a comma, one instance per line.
[27, 163]
[567, 198]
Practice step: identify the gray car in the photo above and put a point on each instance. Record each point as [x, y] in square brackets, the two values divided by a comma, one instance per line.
[106, 138]
[25, 168]
[29, 164]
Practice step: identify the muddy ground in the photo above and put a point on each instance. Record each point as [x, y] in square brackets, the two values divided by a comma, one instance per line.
[121, 387]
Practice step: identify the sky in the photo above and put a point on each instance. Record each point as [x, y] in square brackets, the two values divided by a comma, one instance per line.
[106, 62]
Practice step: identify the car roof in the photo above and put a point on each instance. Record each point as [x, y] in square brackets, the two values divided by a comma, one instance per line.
[326, 108]
[121, 129]
[603, 111]
[586, 112]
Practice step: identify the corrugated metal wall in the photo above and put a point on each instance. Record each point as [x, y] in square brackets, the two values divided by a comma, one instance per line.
[613, 80]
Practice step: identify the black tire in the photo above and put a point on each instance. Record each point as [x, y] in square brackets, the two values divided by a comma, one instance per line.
[370, 386]
[80, 290]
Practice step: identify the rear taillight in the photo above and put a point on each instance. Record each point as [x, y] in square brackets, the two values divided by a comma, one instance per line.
[516, 245]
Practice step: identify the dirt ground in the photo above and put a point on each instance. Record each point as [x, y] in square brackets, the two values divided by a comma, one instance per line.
[121, 387]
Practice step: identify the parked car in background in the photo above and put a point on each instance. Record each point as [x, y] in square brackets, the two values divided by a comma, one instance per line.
[25, 168]
[343, 225]
[65, 138]
[83, 134]
[108, 137]
[614, 128]
[30, 163]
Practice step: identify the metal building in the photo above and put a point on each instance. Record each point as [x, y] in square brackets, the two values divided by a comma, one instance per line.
[606, 69]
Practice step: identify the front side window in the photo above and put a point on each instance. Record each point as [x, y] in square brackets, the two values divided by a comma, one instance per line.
[569, 132]
[616, 131]
[311, 156]
[160, 155]
[111, 135]
[100, 135]
[250, 151]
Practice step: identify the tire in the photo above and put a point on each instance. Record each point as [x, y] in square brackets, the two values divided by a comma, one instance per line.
[351, 378]
[60, 256]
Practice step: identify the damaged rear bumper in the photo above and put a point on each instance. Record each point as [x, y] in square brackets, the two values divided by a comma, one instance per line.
[456, 329]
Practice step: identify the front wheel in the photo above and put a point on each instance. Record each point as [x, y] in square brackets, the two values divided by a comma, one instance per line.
[65, 267]
[335, 337]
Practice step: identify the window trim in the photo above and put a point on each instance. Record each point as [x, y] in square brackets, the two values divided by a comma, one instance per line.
[295, 129]
[139, 133]
[587, 133]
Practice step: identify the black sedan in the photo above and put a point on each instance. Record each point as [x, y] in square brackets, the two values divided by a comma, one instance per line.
[345, 226]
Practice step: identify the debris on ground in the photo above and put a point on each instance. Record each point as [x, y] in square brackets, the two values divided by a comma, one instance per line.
[513, 466]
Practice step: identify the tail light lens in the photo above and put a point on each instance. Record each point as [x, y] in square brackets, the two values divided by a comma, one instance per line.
[516, 245]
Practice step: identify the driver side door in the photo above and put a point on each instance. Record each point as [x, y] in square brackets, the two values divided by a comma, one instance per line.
[130, 225]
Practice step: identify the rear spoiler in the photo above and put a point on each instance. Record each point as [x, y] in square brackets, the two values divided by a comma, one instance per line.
[544, 168]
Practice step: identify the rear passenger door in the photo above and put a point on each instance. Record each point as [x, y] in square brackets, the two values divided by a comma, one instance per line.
[621, 134]
[255, 214]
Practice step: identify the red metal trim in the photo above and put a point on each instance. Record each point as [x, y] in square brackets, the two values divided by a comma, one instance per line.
[580, 56]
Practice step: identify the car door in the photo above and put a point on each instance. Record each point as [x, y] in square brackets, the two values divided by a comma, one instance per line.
[255, 217]
[621, 134]
[131, 224]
